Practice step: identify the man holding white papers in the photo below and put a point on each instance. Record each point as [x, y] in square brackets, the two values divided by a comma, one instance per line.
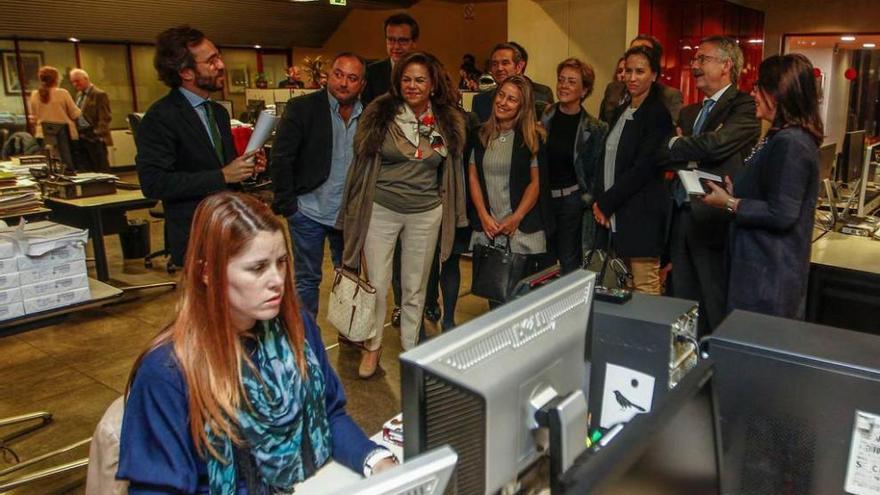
[715, 135]
[185, 150]
[311, 154]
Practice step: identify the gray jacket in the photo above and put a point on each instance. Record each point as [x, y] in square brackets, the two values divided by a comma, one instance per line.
[588, 147]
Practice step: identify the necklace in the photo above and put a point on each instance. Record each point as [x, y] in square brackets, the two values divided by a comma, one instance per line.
[755, 150]
[502, 136]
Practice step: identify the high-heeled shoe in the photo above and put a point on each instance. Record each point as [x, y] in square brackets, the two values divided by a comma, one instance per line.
[369, 366]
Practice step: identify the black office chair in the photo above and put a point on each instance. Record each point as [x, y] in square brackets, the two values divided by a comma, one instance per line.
[57, 143]
[158, 211]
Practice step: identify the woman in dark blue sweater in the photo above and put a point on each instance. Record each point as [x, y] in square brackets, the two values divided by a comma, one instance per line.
[773, 198]
[237, 396]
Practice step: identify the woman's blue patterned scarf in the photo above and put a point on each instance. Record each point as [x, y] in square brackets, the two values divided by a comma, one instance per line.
[272, 428]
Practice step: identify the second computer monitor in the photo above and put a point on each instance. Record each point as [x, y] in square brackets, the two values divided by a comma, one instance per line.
[476, 388]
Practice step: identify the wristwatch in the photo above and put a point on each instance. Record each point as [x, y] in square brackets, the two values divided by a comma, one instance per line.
[730, 205]
[375, 456]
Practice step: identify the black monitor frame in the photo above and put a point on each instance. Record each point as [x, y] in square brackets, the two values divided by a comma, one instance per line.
[852, 155]
[594, 470]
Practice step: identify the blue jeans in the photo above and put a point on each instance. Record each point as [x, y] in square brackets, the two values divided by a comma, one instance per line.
[308, 256]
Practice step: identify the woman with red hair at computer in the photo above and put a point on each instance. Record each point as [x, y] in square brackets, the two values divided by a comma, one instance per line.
[236, 395]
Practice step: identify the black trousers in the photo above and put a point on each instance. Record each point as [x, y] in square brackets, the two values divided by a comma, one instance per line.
[699, 269]
[566, 242]
[90, 154]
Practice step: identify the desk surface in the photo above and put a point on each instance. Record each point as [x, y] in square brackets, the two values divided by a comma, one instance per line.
[121, 196]
[36, 211]
[847, 251]
[334, 476]
[101, 294]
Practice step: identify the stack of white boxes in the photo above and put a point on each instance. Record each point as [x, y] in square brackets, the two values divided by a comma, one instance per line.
[33, 284]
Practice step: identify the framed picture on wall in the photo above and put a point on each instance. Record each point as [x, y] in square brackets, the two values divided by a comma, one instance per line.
[30, 63]
[238, 79]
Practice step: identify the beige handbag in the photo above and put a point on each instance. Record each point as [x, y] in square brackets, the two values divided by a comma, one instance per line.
[353, 303]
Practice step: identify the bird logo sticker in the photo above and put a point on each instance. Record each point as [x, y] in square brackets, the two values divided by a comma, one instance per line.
[626, 392]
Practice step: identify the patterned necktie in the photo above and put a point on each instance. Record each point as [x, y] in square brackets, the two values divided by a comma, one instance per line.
[215, 131]
[704, 116]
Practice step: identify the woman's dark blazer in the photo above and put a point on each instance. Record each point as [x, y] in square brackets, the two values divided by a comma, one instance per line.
[772, 230]
[540, 217]
[638, 198]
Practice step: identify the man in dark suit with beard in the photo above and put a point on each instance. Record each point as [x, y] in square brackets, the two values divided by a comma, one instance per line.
[185, 150]
[715, 135]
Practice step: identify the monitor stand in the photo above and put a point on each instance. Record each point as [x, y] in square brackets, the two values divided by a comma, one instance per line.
[565, 417]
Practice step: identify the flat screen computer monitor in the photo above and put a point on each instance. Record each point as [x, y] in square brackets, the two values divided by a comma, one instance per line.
[57, 135]
[427, 474]
[476, 388]
[827, 160]
[254, 107]
[851, 156]
[671, 451]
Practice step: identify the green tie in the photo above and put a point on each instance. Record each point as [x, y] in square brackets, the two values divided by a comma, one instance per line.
[215, 131]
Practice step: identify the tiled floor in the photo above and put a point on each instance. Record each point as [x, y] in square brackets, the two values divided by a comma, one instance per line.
[75, 368]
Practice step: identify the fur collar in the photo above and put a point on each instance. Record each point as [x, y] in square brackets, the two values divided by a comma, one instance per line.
[380, 114]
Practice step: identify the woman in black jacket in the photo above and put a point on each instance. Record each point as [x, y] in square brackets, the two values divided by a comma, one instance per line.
[631, 199]
[773, 198]
[508, 179]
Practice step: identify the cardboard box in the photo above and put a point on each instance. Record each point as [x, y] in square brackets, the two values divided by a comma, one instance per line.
[10, 311]
[9, 280]
[9, 296]
[8, 265]
[53, 301]
[71, 252]
[36, 275]
[54, 286]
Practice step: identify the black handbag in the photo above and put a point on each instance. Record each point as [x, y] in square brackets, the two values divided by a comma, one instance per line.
[497, 270]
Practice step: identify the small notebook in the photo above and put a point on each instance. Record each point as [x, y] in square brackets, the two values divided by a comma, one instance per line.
[692, 180]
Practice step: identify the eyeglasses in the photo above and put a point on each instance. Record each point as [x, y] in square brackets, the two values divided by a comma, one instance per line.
[702, 59]
[397, 41]
[213, 61]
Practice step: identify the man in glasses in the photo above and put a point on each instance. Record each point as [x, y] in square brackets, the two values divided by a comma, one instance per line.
[401, 36]
[714, 135]
[184, 143]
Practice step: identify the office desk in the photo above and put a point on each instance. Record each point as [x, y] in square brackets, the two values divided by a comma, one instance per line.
[334, 476]
[844, 288]
[89, 213]
[38, 213]
[101, 294]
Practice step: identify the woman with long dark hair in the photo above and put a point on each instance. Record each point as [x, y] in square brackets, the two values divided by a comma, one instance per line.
[405, 183]
[236, 395]
[50, 103]
[632, 202]
[508, 177]
[773, 198]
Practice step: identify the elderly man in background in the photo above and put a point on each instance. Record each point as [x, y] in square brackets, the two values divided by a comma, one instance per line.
[93, 126]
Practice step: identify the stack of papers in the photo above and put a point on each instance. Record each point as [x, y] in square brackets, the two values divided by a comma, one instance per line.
[84, 177]
[38, 238]
[18, 194]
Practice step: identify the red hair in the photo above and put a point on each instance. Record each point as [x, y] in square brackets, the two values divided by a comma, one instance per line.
[208, 349]
[48, 77]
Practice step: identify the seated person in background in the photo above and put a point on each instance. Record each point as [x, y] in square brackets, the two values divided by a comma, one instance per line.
[236, 395]
[293, 80]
